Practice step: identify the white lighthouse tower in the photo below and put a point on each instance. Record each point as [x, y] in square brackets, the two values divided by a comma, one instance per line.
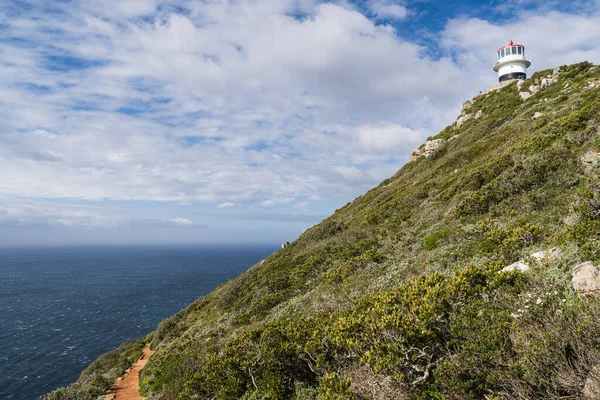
[511, 62]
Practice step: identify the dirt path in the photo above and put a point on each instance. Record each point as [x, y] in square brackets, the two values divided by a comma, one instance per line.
[127, 387]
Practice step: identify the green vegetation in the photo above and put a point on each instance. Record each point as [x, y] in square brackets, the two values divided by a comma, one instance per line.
[96, 379]
[397, 294]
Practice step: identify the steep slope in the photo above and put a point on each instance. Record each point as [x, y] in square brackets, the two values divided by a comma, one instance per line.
[397, 294]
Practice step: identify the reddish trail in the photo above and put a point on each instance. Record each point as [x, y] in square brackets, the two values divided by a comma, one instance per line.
[127, 387]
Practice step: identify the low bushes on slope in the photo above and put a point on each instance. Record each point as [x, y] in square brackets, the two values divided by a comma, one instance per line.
[96, 379]
[472, 334]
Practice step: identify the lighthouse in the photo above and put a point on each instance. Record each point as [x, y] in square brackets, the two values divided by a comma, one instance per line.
[511, 62]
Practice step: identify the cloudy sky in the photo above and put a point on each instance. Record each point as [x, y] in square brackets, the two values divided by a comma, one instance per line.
[237, 121]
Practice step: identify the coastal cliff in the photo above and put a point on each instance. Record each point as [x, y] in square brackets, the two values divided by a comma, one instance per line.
[471, 273]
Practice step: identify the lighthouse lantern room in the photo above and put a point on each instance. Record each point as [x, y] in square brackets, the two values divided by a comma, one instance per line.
[511, 62]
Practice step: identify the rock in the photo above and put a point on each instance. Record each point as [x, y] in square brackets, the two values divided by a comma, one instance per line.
[547, 82]
[590, 160]
[494, 87]
[593, 85]
[520, 83]
[415, 155]
[586, 278]
[551, 254]
[534, 89]
[285, 244]
[462, 119]
[518, 266]
[555, 73]
[566, 86]
[478, 114]
[591, 388]
[466, 105]
[525, 95]
[430, 147]
[537, 115]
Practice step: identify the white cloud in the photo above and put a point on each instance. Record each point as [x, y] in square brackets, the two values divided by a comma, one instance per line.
[475, 41]
[387, 137]
[182, 221]
[252, 75]
[235, 103]
[387, 9]
[43, 132]
[26, 212]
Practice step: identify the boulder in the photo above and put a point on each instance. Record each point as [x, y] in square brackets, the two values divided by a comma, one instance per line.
[586, 278]
[534, 89]
[520, 84]
[555, 72]
[466, 105]
[537, 115]
[590, 160]
[430, 147]
[518, 266]
[525, 95]
[546, 255]
[285, 244]
[551, 254]
[547, 82]
[462, 119]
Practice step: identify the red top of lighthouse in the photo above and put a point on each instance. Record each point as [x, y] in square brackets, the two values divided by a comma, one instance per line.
[510, 44]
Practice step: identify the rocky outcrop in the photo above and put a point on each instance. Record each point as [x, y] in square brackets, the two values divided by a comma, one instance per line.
[547, 82]
[525, 95]
[466, 105]
[493, 88]
[518, 266]
[464, 117]
[430, 147]
[546, 255]
[539, 84]
[590, 161]
[586, 278]
[539, 257]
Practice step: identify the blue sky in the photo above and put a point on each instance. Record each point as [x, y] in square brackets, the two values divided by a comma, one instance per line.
[246, 121]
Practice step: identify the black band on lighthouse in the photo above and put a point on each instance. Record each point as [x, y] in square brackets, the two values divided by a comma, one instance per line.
[512, 75]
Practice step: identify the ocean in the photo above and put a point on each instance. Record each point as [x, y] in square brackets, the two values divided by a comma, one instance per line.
[62, 307]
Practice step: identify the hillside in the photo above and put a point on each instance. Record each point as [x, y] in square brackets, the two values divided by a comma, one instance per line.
[398, 294]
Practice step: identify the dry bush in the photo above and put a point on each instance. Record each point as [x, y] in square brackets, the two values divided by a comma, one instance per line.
[374, 386]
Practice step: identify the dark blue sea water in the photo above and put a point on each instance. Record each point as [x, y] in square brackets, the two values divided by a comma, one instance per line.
[60, 308]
